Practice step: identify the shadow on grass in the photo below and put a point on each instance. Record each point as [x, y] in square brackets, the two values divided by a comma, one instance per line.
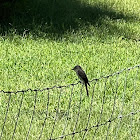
[55, 17]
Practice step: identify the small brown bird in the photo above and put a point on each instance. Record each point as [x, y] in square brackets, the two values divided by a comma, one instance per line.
[82, 75]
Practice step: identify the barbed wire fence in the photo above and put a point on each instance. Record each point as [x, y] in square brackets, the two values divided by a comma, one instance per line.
[65, 112]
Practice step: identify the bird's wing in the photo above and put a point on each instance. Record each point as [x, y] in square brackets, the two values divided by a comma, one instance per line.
[82, 76]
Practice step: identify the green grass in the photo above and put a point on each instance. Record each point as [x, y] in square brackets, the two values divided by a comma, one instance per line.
[40, 42]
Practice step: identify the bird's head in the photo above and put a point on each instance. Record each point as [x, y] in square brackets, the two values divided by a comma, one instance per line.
[76, 68]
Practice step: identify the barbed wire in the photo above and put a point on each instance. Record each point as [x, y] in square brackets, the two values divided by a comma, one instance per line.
[98, 125]
[88, 126]
[73, 84]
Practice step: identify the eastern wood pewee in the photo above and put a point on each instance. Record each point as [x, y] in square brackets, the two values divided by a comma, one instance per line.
[82, 75]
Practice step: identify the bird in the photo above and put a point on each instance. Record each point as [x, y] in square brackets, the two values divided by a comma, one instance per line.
[83, 77]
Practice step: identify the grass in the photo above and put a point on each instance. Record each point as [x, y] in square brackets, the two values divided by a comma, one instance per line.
[39, 44]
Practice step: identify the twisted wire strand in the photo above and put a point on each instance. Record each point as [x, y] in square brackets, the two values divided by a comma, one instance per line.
[79, 108]
[68, 111]
[5, 115]
[18, 115]
[73, 84]
[113, 110]
[133, 103]
[102, 108]
[123, 102]
[32, 115]
[89, 115]
[48, 101]
[98, 125]
[57, 110]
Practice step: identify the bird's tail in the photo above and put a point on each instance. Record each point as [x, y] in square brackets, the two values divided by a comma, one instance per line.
[87, 89]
